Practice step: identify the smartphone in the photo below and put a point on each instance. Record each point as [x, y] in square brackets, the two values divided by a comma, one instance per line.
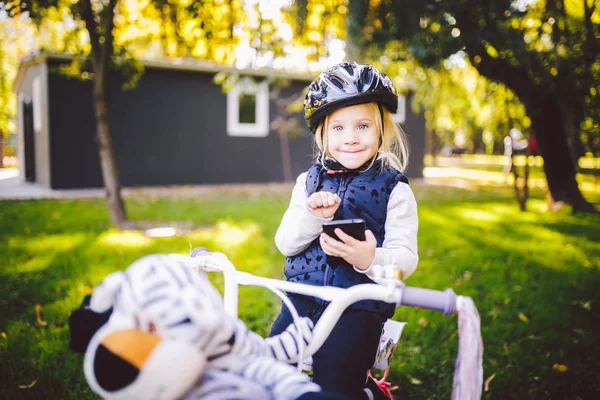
[353, 227]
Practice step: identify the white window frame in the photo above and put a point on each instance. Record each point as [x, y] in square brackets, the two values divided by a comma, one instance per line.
[400, 114]
[36, 89]
[261, 127]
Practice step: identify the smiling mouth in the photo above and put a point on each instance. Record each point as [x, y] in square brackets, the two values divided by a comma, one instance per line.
[352, 152]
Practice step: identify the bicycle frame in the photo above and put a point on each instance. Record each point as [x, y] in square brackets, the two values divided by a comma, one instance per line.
[468, 372]
[388, 289]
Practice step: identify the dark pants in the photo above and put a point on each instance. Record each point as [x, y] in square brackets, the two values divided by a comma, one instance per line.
[342, 363]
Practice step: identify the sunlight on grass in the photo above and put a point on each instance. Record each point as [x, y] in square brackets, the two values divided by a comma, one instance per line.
[38, 263]
[482, 177]
[537, 206]
[227, 234]
[565, 258]
[434, 218]
[510, 237]
[166, 231]
[126, 239]
[44, 244]
[508, 212]
[472, 214]
[533, 276]
[502, 209]
[498, 178]
[96, 275]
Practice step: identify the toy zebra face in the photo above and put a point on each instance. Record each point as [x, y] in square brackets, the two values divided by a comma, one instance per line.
[161, 295]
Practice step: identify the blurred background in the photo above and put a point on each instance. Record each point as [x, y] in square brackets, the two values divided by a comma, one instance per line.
[468, 72]
[188, 115]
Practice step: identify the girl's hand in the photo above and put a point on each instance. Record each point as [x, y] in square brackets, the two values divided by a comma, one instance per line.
[359, 254]
[323, 204]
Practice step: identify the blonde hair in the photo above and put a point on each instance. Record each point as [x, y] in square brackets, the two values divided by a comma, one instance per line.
[393, 150]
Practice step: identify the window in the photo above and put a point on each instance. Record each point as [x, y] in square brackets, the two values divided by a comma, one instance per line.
[400, 115]
[37, 104]
[248, 109]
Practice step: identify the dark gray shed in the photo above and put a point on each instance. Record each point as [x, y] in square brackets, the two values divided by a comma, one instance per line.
[176, 127]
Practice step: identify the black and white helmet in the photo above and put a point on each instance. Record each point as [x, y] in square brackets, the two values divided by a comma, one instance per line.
[347, 84]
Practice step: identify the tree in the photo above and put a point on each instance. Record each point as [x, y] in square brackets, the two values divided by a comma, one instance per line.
[185, 29]
[99, 23]
[113, 34]
[287, 127]
[456, 98]
[5, 103]
[13, 45]
[547, 52]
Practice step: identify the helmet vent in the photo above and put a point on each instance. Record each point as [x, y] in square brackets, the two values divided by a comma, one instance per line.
[338, 82]
[347, 84]
[349, 68]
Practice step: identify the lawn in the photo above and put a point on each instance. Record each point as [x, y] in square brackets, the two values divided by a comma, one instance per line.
[534, 277]
[490, 168]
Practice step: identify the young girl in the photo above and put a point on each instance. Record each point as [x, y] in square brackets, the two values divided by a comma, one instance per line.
[357, 175]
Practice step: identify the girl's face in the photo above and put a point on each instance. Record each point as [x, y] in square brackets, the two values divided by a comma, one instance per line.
[352, 137]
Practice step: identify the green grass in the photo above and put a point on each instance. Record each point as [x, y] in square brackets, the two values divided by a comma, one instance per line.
[588, 167]
[534, 277]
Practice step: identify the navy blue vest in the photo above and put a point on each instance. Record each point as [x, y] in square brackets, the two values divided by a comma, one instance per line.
[364, 195]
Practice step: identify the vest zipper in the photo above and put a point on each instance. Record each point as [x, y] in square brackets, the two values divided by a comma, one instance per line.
[341, 193]
[342, 189]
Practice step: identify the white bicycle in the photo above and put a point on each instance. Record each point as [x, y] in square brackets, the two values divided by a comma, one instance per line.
[468, 372]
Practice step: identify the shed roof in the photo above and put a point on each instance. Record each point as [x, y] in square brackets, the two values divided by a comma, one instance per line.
[176, 64]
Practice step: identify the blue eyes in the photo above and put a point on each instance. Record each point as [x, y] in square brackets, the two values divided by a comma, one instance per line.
[339, 128]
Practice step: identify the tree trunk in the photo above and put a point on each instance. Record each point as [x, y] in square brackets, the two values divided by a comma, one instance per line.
[572, 128]
[547, 121]
[521, 183]
[477, 142]
[102, 49]
[286, 159]
[110, 172]
[429, 141]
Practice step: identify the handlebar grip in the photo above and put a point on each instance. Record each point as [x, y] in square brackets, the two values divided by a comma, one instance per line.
[200, 251]
[431, 299]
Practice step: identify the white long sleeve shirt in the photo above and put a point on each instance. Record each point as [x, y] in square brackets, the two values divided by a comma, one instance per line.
[299, 228]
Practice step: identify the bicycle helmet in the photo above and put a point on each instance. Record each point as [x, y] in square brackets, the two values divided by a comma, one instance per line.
[347, 84]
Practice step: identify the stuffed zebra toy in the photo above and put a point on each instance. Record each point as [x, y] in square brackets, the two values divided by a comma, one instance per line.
[158, 331]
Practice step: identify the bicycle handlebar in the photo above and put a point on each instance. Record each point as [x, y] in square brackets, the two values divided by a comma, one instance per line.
[388, 290]
[468, 374]
[431, 299]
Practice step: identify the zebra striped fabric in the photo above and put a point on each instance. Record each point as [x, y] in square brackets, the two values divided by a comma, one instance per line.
[157, 294]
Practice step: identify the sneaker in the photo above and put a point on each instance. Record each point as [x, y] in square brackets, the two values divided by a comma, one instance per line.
[373, 391]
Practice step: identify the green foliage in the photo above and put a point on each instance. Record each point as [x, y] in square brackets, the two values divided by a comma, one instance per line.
[13, 45]
[148, 29]
[200, 29]
[546, 52]
[457, 100]
[533, 276]
[316, 23]
[547, 48]
[5, 98]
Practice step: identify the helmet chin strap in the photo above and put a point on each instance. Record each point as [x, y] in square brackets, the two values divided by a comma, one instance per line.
[382, 127]
[333, 166]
